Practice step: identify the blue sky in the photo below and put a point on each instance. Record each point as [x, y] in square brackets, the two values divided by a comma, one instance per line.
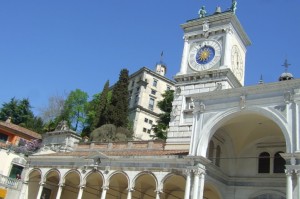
[49, 47]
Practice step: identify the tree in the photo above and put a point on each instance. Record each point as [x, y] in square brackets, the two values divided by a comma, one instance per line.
[118, 110]
[51, 115]
[54, 108]
[75, 109]
[103, 106]
[165, 105]
[21, 114]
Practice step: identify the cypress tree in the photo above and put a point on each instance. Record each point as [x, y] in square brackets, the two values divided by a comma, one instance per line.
[103, 105]
[118, 111]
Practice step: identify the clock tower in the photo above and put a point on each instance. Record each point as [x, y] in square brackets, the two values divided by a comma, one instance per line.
[213, 59]
[214, 43]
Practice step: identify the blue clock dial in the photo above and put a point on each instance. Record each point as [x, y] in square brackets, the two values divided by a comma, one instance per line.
[205, 55]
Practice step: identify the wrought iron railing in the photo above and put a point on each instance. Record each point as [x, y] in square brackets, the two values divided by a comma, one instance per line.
[11, 183]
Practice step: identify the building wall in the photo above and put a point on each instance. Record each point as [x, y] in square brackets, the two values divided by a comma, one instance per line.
[146, 88]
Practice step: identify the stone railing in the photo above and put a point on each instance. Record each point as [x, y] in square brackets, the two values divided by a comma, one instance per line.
[11, 183]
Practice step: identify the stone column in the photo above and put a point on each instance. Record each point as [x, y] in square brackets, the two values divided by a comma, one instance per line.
[40, 191]
[158, 192]
[198, 188]
[60, 187]
[196, 183]
[187, 192]
[202, 176]
[129, 194]
[104, 190]
[298, 182]
[24, 189]
[80, 191]
[289, 184]
[184, 61]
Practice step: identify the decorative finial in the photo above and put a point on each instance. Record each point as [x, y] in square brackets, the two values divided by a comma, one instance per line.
[161, 56]
[261, 81]
[286, 65]
[202, 12]
[233, 6]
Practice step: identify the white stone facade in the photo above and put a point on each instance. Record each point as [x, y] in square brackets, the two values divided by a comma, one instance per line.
[145, 89]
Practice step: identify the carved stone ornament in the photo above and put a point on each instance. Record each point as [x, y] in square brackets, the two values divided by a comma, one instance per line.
[242, 101]
[219, 86]
[288, 97]
[174, 111]
[178, 91]
[205, 26]
[199, 106]
[198, 171]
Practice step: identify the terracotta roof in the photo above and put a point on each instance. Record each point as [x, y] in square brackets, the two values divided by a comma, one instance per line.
[20, 131]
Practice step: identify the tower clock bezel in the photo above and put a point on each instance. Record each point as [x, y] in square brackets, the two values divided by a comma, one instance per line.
[204, 54]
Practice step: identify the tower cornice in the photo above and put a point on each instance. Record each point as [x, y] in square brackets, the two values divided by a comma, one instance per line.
[216, 20]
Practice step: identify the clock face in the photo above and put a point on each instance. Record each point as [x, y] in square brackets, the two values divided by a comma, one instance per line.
[237, 63]
[204, 55]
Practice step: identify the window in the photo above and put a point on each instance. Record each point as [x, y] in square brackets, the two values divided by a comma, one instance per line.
[144, 130]
[154, 82]
[136, 99]
[211, 147]
[150, 121]
[264, 163]
[146, 120]
[153, 92]
[3, 137]
[218, 156]
[151, 104]
[279, 163]
[149, 131]
[132, 83]
[168, 88]
[138, 89]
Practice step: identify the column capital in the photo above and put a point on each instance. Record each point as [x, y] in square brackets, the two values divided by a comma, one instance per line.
[158, 191]
[198, 171]
[105, 187]
[187, 171]
[130, 189]
[289, 172]
[297, 171]
[42, 184]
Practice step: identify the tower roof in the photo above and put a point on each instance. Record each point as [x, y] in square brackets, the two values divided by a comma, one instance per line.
[286, 75]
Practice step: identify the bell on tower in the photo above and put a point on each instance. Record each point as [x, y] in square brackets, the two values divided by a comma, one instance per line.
[161, 67]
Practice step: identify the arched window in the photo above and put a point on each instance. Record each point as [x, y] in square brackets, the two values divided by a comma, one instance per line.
[218, 155]
[279, 163]
[264, 163]
[210, 154]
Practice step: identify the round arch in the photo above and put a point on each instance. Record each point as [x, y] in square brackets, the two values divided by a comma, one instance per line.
[93, 182]
[69, 172]
[214, 123]
[273, 194]
[145, 173]
[34, 178]
[118, 183]
[211, 191]
[84, 180]
[173, 186]
[145, 185]
[71, 181]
